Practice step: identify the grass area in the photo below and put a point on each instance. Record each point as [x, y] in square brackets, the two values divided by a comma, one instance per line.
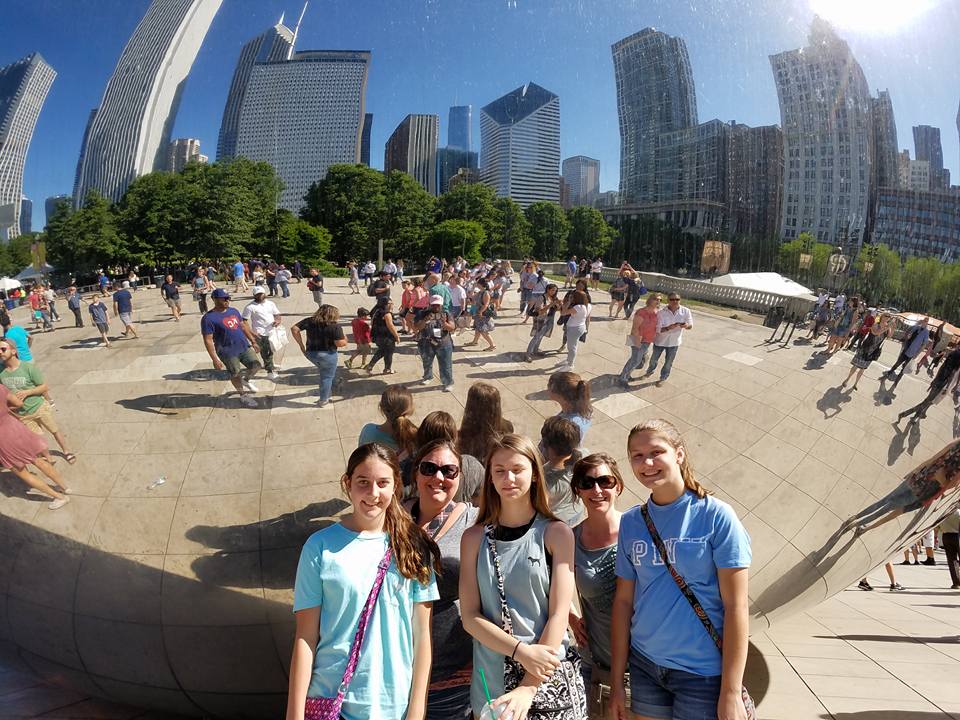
[711, 308]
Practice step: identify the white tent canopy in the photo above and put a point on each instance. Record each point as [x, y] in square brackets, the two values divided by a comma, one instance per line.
[765, 282]
[9, 283]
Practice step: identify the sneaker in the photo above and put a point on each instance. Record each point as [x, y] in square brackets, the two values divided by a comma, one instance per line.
[249, 386]
[896, 587]
[448, 388]
[248, 401]
[426, 381]
[864, 585]
[273, 375]
[322, 403]
[58, 503]
[955, 587]
[929, 561]
[905, 562]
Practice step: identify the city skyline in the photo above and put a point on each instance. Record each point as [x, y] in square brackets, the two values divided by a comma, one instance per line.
[504, 47]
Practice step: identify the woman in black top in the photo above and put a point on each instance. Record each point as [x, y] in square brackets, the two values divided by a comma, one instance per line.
[324, 336]
[384, 336]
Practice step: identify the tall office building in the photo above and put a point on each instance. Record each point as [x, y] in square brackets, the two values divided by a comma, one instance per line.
[183, 151]
[581, 175]
[130, 132]
[26, 215]
[459, 132]
[826, 118]
[919, 176]
[917, 223]
[655, 95]
[927, 146]
[903, 169]
[449, 162]
[51, 204]
[303, 115]
[272, 45]
[23, 89]
[365, 139]
[412, 148]
[884, 140]
[520, 145]
[754, 181]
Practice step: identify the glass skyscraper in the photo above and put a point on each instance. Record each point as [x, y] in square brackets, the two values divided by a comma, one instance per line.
[927, 146]
[582, 177]
[412, 148]
[23, 90]
[459, 134]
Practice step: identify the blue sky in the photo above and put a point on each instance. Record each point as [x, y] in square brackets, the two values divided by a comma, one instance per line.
[430, 54]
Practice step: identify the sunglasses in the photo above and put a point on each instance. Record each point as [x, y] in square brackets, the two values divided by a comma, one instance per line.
[606, 482]
[674, 299]
[429, 469]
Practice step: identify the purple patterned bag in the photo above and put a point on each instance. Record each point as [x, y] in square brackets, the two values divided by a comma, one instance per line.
[323, 708]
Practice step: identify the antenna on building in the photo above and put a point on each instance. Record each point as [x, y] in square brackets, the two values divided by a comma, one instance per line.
[280, 21]
[297, 28]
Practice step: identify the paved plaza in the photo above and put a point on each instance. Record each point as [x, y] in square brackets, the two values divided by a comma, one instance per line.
[765, 425]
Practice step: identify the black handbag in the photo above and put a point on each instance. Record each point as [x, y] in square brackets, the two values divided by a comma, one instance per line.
[562, 696]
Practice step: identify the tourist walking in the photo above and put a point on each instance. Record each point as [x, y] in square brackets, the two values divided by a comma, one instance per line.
[847, 320]
[239, 278]
[362, 604]
[940, 385]
[618, 295]
[571, 272]
[516, 588]
[99, 317]
[324, 337]
[354, 282]
[913, 342]
[19, 447]
[397, 431]
[483, 422]
[170, 292]
[643, 332]
[262, 317]
[283, 280]
[385, 336]
[438, 477]
[572, 394]
[671, 322]
[596, 268]
[231, 345]
[315, 286]
[361, 337]
[50, 297]
[202, 287]
[950, 537]
[483, 316]
[597, 483]
[434, 342]
[577, 311]
[635, 291]
[123, 308]
[74, 302]
[869, 349]
[544, 319]
[676, 666]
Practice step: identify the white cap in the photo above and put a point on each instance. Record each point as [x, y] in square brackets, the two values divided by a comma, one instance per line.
[259, 290]
[126, 283]
[436, 300]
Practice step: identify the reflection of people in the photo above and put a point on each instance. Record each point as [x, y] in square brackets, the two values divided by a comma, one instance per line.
[919, 489]
[938, 386]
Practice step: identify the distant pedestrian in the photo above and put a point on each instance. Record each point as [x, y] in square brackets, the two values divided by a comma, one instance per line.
[50, 296]
[483, 316]
[170, 292]
[73, 302]
[231, 345]
[671, 322]
[577, 311]
[384, 334]
[315, 286]
[324, 338]
[283, 281]
[261, 316]
[354, 281]
[361, 337]
[913, 342]
[869, 349]
[571, 272]
[950, 537]
[940, 385]
[202, 286]
[643, 332]
[544, 320]
[123, 308]
[98, 316]
[239, 277]
[103, 282]
[434, 341]
[596, 268]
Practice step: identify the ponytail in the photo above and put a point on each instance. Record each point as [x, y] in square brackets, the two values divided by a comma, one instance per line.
[669, 432]
[396, 404]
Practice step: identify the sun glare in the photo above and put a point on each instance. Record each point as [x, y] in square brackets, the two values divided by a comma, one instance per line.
[874, 17]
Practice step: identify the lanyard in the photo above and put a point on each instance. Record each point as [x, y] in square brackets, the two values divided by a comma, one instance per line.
[438, 522]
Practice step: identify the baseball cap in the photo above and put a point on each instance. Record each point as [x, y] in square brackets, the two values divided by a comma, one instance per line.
[258, 290]
[125, 283]
[436, 300]
[220, 293]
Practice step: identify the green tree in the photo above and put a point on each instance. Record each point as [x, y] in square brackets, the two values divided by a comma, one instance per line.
[86, 240]
[457, 237]
[350, 203]
[15, 254]
[590, 236]
[475, 202]
[409, 215]
[919, 285]
[296, 239]
[877, 274]
[947, 291]
[509, 236]
[152, 216]
[549, 229]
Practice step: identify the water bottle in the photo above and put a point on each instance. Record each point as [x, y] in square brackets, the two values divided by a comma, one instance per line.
[492, 712]
[157, 483]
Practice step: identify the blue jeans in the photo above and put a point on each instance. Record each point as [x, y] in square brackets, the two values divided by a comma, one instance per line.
[284, 289]
[326, 362]
[661, 692]
[444, 356]
[669, 352]
[638, 353]
[538, 336]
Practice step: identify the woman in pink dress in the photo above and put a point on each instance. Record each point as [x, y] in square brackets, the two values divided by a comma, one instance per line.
[19, 447]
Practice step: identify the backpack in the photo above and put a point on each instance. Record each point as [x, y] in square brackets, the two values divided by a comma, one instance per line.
[371, 290]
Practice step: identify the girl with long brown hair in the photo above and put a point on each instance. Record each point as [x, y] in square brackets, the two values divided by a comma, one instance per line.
[678, 666]
[341, 567]
[483, 420]
[572, 393]
[397, 431]
[516, 586]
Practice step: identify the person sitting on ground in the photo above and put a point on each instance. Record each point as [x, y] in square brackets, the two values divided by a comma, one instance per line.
[397, 431]
[483, 422]
[559, 443]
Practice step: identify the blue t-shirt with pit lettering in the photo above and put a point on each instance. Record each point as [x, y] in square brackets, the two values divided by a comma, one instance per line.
[701, 536]
[227, 330]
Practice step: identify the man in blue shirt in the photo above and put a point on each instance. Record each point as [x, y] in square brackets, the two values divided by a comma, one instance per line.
[239, 279]
[913, 342]
[103, 281]
[231, 345]
[123, 307]
[571, 278]
[18, 336]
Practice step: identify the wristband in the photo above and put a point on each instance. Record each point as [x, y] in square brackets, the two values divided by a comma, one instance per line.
[515, 647]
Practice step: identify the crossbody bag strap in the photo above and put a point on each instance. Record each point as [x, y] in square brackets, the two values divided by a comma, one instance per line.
[681, 583]
[495, 559]
[367, 613]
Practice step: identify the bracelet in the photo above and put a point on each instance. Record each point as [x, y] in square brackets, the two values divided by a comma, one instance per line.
[515, 647]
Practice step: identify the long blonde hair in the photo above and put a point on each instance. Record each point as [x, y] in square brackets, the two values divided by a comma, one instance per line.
[490, 498]
[413, 550]
[667, 431]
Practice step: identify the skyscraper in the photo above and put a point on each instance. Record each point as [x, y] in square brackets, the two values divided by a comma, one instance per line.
[581, 174]
[129, 134]
[23, 89]
[365, 139]
[303, 115]
[459, 132]
[927, 146]
[274, 44]
[26, 215]
[412, 148]
[884, 140]
[520, 145]
[655, 95]
[51, 204]
[826, 118]
[449, 162]
[183, 151]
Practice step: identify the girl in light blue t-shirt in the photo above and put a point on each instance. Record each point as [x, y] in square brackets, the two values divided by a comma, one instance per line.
[676, 668]
[338, 566]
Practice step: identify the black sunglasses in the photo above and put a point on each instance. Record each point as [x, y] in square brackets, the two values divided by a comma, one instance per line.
[429, 469]
[606, 482]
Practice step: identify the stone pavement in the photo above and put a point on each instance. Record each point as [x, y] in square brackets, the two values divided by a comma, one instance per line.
[766, 428]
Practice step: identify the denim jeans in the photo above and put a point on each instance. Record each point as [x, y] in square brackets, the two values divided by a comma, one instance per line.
[444, 356]
[538, 336]
[326, 362]
[638, 354]
[573, 335]
[669, 352]
[661, 692]
[284, 289]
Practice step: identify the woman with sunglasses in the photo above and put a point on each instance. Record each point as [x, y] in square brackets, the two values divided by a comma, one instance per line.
[596, 482]
[437, 477]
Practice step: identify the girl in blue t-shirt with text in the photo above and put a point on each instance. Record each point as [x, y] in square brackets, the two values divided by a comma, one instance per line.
[676, 668]
[338, 568]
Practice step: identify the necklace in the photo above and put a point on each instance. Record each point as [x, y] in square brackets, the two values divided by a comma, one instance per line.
[433, 528]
